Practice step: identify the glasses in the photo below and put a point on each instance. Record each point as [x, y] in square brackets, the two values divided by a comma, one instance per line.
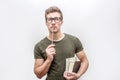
[56, 19]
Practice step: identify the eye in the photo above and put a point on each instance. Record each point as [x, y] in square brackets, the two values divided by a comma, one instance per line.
[56, 18]
[49, 19]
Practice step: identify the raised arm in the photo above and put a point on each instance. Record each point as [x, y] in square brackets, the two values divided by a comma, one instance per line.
[41, 67]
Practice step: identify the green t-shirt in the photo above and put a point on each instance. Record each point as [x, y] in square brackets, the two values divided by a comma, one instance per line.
[65, 48]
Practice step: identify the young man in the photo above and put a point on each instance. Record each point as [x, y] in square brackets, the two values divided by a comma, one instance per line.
[50, 58]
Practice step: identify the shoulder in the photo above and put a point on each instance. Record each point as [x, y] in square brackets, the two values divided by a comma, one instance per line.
[41, 42]
[74, 39]
[71, 36]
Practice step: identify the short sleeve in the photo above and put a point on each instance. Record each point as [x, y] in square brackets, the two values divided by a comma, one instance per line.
[37, 52]
[78, 45]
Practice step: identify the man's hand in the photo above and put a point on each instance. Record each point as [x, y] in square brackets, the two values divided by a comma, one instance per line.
[50, 51]
[70, 76]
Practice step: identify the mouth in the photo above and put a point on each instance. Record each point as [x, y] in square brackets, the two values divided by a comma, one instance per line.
[53, 27]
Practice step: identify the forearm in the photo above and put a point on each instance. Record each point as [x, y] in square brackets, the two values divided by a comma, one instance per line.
[83, 68]
[41, 70]
[41, 67]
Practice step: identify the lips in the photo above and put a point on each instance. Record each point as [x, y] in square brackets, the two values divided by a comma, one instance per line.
[53, 27]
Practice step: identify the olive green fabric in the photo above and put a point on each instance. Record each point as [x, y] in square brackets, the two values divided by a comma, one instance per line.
[65, 48]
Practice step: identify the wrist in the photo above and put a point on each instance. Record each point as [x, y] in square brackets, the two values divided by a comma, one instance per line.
[48, 60]
[78, 76]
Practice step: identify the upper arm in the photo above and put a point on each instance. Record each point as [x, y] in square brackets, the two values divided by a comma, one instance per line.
[81, 55]
[38, 62]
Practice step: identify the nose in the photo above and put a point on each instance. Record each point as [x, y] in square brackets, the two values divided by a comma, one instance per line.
[53, 21]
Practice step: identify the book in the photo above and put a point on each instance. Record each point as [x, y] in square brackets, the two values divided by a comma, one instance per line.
[76, 67]
[72, 64]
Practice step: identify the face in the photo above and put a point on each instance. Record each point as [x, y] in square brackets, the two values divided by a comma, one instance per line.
[54, 22]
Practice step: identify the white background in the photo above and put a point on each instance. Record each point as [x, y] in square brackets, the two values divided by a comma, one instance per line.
[95, 22]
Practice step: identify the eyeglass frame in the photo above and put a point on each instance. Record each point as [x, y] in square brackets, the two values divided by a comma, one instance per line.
[56, 19]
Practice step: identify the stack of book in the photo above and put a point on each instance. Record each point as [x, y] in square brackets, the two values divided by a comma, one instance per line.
[72, 64]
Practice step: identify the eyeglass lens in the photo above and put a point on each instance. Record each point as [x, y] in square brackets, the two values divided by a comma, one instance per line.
[56, 19]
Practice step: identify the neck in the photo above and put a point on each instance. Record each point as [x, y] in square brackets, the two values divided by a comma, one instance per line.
[56, 36]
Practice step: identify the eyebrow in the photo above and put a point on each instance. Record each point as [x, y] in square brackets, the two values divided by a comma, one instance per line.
[53, 17]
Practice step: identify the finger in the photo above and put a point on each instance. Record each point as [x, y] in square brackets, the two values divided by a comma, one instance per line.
[51, 48]
[71, 74]
[52, 53]
[51, 45]
[65, 73]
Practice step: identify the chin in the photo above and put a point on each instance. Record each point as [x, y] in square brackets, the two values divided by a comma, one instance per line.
[54, 31]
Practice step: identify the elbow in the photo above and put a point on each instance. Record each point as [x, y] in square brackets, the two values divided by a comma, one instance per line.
[38, 75]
